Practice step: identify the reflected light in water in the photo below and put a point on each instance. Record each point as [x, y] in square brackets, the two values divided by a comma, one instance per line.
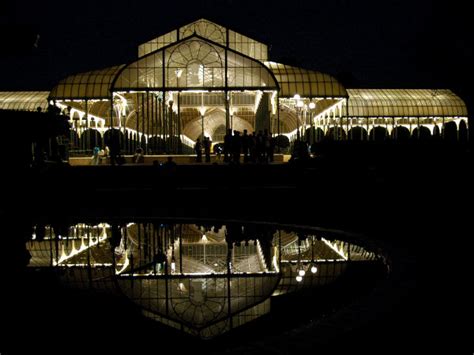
[204, 284]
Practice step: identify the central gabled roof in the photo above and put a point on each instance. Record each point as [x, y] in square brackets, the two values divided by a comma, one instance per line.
[195, 62]
[212, 31]
[205, 56]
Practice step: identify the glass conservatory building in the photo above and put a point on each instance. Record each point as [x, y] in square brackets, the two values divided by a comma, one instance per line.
[202, 79]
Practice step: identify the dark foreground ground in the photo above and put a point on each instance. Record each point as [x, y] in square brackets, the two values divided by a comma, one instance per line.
[413, 202]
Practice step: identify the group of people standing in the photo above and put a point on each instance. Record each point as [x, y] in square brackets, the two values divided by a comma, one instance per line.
[198, 147]
[255, 147]
[104, 155]
[111, 151]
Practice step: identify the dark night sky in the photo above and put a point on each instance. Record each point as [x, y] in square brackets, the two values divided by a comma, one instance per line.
[390, 43]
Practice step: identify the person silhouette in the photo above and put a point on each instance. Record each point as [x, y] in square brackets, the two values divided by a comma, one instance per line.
[138, 157]
[95, 160]
[218, 151]
[207, 149]
[114, 148]
[198, 150]
[169, 174]
[228, 146]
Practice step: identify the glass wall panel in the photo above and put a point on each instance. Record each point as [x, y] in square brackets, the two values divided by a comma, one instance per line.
[157, 43]
[248, 46]
[142, 74]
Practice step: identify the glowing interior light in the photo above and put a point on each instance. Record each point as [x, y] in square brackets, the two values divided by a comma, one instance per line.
[63, 254]
[314, 269]
[275, 263]
[335, 247]
[297, 97]
[201, 71]
[301, 273]
[204, 238]
[312, 105]
[75, 251]
[299, 278]
[125, 264]
[173, 266]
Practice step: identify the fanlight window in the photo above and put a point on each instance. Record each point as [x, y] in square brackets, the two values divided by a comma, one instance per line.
[202, 63]
[204, 29]
[195, 64]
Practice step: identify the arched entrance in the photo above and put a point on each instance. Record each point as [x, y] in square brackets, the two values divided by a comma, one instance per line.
[190, 89]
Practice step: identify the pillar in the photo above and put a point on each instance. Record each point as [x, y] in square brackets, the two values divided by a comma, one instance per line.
[179, 125]
[227, 110]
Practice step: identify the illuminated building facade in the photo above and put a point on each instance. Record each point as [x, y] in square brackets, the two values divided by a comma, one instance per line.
[202, 79]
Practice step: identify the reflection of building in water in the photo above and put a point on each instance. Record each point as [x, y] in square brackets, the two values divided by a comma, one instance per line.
[204, 281]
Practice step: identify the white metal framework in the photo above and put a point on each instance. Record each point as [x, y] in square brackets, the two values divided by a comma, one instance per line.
[196, 79]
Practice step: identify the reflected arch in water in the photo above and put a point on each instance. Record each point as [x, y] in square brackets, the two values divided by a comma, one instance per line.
[203, 280]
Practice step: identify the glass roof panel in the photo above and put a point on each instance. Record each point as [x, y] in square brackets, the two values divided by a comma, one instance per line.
[24, 100]
[212, 31]
[84, 85]
[404, 102]
[304, 82]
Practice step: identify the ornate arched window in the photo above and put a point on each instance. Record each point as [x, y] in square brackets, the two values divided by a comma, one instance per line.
[204, 29]
[196, 64]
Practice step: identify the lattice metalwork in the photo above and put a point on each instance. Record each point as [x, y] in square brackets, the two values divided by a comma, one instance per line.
[89, 85]
[211, 31]
[405, 103]
[157, 43]
[248, 46]
[306, 83]
[206, 29]
[24, 100]
[194, 64]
